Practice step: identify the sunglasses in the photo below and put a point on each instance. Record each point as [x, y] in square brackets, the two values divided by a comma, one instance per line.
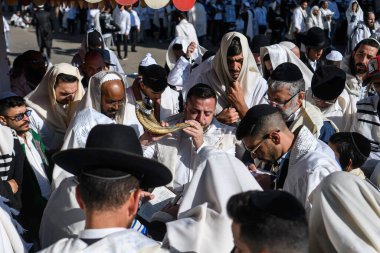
[20, 116]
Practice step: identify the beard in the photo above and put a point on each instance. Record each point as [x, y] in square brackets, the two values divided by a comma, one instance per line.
[360, 68]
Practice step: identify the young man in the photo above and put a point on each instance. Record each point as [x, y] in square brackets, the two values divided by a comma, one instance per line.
[36, 175]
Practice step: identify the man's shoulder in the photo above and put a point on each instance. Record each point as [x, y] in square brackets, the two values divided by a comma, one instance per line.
[225, 129]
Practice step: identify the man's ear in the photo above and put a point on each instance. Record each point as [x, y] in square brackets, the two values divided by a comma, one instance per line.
[275, 137]
[3, 121]
[133, 202]
[301, 97]
[79, 197]
[349, 165]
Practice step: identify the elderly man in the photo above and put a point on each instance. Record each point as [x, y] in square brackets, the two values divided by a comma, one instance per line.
[287, 92]
[111, 164]
[54, 102]
[328, 94]
[300, 161]
[177, 151]
[35, 188]
[235, 78]
[356, 64]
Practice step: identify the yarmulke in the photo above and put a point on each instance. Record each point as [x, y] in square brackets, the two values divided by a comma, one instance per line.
[94, 39]
[251, 117]
[259, 41]
[361, 144]
[148, 60]
[286, 72]
[7, 94]
[334, 56]
[328, 82]
[109, 77]
[154, 76]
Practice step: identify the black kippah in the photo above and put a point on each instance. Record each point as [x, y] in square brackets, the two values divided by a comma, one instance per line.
[361, 144]
[328, 82]
[154, 76]
[286, 72]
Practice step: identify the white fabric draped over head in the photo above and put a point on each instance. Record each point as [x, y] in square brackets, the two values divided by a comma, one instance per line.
[345, 215]
[203, 224]
[43, 99]
[358, 13]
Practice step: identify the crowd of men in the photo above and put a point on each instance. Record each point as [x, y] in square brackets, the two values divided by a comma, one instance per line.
[281, 152]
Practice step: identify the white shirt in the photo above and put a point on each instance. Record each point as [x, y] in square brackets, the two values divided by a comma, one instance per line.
[187, 30]
[180, 73]
[299, 18]
[137, 19]
[123, 19]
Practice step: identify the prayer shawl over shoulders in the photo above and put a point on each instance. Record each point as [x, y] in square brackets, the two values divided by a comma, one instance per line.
[351, 20]
[187, 30]
[279, 54]
[345, 217]
[43, 100]
[219, 78]
[203, 224]
[310, 161]
[128, 241]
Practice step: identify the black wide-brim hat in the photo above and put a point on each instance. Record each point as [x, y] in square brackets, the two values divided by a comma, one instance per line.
[113, 151]
[315, 38]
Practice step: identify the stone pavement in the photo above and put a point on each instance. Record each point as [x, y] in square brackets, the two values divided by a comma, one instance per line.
[65, 46]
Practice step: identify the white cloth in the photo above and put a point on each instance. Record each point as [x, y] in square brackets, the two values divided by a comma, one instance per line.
[148, 60]
[123, 19]
[345, 216]
[334, 56]
[314, 20]
[137, 18]
[299, 19]
[45, 107]
[219, 78]
[125, 240]
[203, 224]
[360, 31]
[310, 161]
[7, 137]
[178, 152]
[279, 54]
[353, 84]
[186, 30]
[198, 17]
[179, 73]
[353, 17]
[375, 177]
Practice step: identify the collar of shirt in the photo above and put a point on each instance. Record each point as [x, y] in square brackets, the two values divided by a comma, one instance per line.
[313, 64]
[98, 233]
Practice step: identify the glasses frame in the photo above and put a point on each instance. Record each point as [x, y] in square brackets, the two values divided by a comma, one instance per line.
[19, 116]
[277, 104]
[253, 150]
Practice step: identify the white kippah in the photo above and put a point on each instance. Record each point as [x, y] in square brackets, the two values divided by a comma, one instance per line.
[334, 56]
[109, 77]
[148, 60]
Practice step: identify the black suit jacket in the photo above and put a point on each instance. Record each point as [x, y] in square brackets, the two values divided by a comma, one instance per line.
[306, 62]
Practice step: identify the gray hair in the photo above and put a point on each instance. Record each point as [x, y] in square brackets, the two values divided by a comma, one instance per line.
[293, 87]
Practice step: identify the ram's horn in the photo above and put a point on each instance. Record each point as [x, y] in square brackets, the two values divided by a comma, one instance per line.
[149, 122]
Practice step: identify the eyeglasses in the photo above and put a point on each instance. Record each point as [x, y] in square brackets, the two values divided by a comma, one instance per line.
[318, 100]
[20, 116]
[279, 104]
[254, 149]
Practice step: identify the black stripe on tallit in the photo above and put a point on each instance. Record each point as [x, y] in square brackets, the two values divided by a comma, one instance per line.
[369, 122]
[367, 112]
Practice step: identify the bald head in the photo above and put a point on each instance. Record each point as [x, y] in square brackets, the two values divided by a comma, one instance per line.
[112, 97]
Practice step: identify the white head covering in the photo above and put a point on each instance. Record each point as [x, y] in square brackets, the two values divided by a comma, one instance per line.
[203, 224]
[350, 13]
[290, 45]
[345, 216]
[43, 100]
[317, 19]
[329, 12]
[334, 56]
[148, 60]
[279, 54]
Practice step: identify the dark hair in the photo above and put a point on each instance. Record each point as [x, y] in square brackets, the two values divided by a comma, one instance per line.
[345, 146]
[178, 14]
[367, 13]
[302, 1]
[201, 90]
[104, 194]
[274, 221]
[177, 46]
[266, 57]
[66, 78]
[235, 47]
[10, 102]
[367, 42]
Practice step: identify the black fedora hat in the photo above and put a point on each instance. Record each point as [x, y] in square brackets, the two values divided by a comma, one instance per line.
[113, 151]
[315, 37]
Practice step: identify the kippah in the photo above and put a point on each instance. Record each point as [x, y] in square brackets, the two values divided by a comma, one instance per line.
[148, 60]
[328, 82]
[361, 144]
[334, 56]
[7, 94]
[109, 77]
[286, 72]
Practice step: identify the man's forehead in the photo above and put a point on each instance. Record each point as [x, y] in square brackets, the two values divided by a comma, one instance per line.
[238, 56]
[367, 49]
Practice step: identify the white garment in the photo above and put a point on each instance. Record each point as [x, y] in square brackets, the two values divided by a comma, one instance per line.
[186, 30]
[360, 31]
[180, 73]
[203, 224]
[314, 20]
[7, 137]
[123, 19]
[137, 19]
[310, 161]
[353, 17]
[114, 240]
[353, 84]
[299, 19]
[178, 152]
[91, 17]
[345, 217]
[198, 17]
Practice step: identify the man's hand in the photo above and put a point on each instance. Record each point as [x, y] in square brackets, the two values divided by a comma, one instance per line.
[195, 131]
[147, 138]
[171, 209]
[235, 95]
[146, 196]
[14, 185]
[228, 116]
[190, 49]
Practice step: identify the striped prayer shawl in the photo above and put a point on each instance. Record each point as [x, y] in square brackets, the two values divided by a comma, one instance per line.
[7, 153]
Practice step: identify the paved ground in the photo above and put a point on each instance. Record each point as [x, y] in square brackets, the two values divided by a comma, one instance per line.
[65, 46]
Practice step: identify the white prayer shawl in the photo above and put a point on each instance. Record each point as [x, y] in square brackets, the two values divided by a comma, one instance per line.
[198, 17]
[279, 54]
[186, 30]
[375, 177]
[43, 100]
[119, 242]
[203, 224]
[219, 78]
[310, 161]
[345, 217]
[10, 230]
[358, 16]
[7, 138]
[360, 31]
[314, 20]
[171, 59]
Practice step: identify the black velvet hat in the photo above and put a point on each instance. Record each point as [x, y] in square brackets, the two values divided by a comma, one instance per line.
[112, 152]
[286, 72]
[328, 82]
[315, 38]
